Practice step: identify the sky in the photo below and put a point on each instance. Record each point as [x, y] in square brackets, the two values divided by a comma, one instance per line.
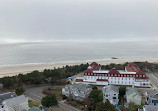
[83, 20]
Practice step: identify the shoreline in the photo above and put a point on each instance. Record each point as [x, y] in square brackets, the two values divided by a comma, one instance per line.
[13, 70]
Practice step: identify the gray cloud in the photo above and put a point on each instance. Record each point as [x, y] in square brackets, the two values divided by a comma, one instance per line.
[31, 20]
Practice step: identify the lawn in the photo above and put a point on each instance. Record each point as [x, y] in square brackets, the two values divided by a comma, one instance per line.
[156, 74]
[55, 92]
[33, 103]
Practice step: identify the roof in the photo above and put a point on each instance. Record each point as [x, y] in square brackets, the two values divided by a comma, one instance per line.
[94, 66]
[153, 93]
[132, 90]
[113, 71]
[89, 71]
[5, 96]
[79, 80]
[131, 67]
[150, 108]
[111, 87]
[38, 109]
[102, 80]
[15, 101]
[79, 87]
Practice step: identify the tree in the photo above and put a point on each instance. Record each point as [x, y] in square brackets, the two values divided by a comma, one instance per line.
[107, 106]
[7, 81]
[96, 95]
[122, 90]
[49, 101]
[19, 91]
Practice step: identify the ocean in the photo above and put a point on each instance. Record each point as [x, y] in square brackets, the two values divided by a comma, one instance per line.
[47, 52]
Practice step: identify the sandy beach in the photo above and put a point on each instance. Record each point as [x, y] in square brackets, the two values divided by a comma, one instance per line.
[14, 70]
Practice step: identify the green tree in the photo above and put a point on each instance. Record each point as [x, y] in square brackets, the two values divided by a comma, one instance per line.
[107, 106]
[122, 90]
[7, 81]
[49, 101]
[19, 91]
[96, 95]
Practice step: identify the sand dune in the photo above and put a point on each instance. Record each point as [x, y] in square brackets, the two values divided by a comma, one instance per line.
[14, 70]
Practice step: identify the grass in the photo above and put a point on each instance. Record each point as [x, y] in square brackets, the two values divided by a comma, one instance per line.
[55, 92]
[156, 74]
[75, 104]
[33, 103]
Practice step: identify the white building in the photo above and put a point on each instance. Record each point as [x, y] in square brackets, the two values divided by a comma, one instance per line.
[77, 91]
[132, 75]
[110, 93]
[11, 102]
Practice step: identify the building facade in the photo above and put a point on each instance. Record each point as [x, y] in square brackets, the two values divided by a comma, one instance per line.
[77, 91]
[110, 93]
[152, 97]
[132, 75]
[133, 95]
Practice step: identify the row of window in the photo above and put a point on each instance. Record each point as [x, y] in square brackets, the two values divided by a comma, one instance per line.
[116, 75]
[92, 77]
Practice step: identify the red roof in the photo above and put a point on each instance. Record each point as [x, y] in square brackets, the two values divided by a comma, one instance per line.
[79, 80]
[89, 71]
[131, 67]
[95, 66]
[102, 80]
[113, 71]
[140, 72]
[142, 77]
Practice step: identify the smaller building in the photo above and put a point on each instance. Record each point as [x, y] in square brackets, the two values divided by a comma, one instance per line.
[18, 103]
[77, 91]
[149, 108]
[110, 93]
[152, 97]
[133, 95]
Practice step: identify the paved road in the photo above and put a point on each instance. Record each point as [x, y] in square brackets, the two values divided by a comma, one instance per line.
[153, 79]
[35, 93]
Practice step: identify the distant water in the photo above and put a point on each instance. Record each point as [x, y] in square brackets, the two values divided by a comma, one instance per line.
[12, 54]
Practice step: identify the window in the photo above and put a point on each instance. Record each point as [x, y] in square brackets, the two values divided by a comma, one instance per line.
[122, 78]
[119, 75]
[114, 97]
[136, 75]
[140, 75]
[125, 75]
[106, 95]
[111, 74]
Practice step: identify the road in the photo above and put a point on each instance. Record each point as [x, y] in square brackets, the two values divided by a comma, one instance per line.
[153, 79]
[35, 94]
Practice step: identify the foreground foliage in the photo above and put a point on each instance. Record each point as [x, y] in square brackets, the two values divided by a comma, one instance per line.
[36, 77]
[49, 101]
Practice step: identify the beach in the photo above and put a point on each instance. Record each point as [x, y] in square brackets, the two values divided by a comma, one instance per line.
[26, 68]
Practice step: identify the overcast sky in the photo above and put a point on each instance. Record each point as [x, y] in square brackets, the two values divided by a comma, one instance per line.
[49, 20]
